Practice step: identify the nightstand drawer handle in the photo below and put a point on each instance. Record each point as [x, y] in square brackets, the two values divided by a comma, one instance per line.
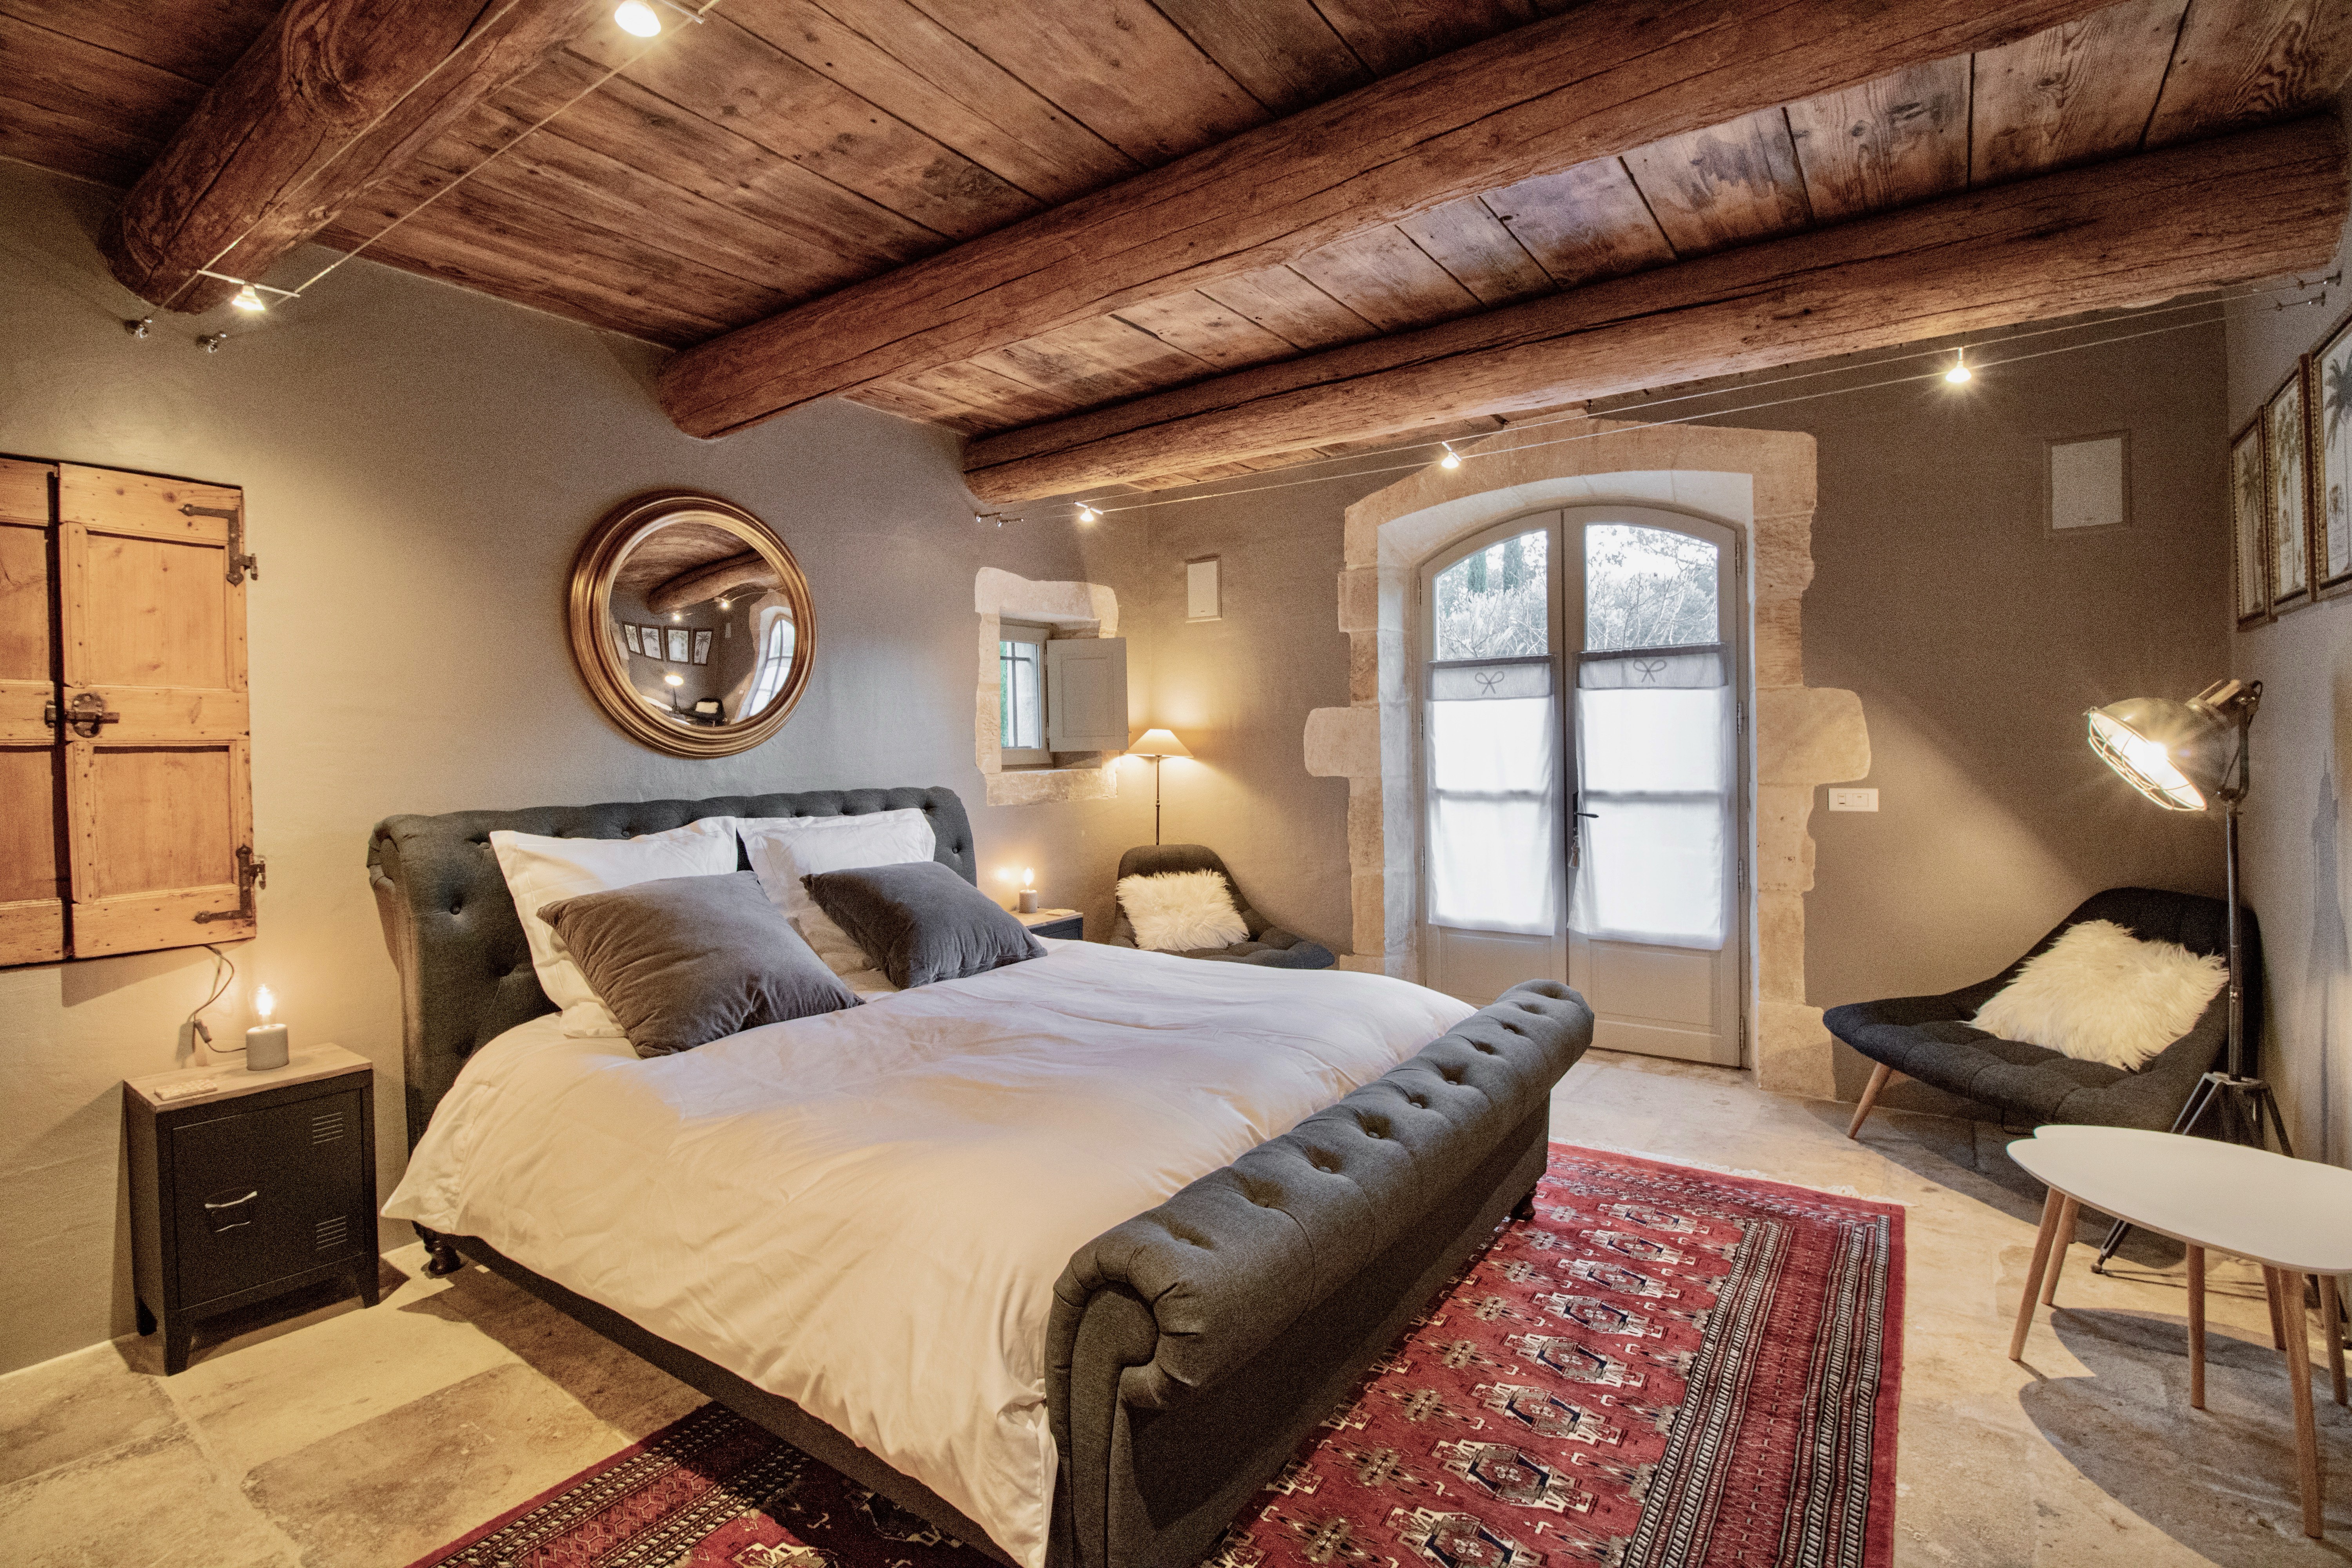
[234, 1202]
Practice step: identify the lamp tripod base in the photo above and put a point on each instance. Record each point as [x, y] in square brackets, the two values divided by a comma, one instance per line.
[2247, 1112]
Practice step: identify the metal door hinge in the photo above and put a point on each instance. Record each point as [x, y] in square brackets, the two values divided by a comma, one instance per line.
[84, 712]
[240, 565]
[252, 871]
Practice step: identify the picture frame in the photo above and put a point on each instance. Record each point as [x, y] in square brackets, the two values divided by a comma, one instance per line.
[629, 636]
[2286, 457]
[680, 645]
[2329, 398]
[2086, 485]
[2249, 538]
[702, 646]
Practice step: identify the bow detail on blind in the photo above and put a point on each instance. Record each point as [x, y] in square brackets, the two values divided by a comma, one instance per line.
[1490, 679]
[1652, 669]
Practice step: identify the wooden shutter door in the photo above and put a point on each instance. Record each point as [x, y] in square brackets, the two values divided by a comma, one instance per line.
[1085, 694]
[32, 765]
[159, 787]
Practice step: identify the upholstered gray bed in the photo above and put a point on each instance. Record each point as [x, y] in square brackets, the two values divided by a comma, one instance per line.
[1191, 1348]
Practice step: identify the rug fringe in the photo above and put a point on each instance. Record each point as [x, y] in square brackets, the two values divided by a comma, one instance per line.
[1837, 1192]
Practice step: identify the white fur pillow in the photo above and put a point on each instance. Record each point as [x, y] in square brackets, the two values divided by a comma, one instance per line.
[1182, 911]
[2101, 995]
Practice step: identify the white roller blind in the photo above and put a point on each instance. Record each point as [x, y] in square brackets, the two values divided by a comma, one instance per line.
[1654, 761]
[1494, 772]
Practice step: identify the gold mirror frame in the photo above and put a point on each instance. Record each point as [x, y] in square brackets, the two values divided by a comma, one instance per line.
[594, 571]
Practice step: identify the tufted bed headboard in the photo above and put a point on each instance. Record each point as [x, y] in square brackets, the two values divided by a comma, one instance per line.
[464, 970]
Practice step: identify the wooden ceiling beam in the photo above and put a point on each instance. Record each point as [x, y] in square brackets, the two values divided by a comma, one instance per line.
[1599, 80]
[2259, 203]
[333, 98]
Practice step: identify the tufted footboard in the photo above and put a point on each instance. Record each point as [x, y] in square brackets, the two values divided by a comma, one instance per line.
[1193, 1346]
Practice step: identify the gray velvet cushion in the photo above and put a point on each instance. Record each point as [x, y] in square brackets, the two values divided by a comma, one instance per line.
[921, 922]
[686, 960]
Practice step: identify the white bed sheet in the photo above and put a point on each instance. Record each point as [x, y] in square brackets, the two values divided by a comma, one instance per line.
[865, 1212]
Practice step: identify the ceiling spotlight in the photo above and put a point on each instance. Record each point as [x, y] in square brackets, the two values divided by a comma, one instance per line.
[1089, 514]
[1959, 375]
[637, 19]
[726, 603]
[1453, 459]
[249, 299]
[677, 615]
[213, 340]
[138, 327]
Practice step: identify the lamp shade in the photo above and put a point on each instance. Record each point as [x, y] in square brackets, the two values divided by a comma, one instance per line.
[1157, 743]
[2178, 754]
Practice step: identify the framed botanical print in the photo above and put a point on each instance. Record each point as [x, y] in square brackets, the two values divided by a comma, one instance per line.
[2331, 454]
[2250, 538]
[629, 637]
[679, 640]
[2286, 442]
[703, 647]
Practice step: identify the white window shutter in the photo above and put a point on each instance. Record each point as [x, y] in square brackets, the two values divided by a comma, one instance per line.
[1085, 694]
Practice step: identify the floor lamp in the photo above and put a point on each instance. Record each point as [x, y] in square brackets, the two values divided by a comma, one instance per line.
[1156, 744]
[2191, 756]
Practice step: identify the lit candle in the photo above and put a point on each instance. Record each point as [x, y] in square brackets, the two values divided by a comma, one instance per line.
[1028, 892]
[265, 1043]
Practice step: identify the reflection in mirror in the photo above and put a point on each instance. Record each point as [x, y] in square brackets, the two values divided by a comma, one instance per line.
[698, 623]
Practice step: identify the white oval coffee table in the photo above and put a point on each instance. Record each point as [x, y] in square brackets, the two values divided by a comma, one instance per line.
[2292, 1216]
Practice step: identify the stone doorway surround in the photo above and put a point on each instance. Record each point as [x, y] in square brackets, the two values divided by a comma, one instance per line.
[1759, 483]
[1072, 609]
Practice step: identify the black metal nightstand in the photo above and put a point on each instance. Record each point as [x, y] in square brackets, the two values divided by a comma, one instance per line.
[1066, 924]
[246, 1185]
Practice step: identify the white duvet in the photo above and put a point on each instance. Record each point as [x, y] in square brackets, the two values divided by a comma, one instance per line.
[865, 1212]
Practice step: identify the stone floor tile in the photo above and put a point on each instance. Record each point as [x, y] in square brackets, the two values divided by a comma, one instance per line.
[157, 1503]
[73, 1407]
[386, 1491]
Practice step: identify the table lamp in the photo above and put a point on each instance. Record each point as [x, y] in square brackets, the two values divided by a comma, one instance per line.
[1156, 744]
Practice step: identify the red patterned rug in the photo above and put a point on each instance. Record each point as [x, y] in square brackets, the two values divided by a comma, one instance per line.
[1666, 1368]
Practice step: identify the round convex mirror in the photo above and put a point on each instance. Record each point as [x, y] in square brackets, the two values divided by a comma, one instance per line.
[691, 624]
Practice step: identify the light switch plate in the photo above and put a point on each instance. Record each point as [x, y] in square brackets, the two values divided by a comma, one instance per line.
[1854, 800]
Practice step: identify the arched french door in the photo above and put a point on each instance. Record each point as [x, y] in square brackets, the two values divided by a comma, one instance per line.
[1581, 734]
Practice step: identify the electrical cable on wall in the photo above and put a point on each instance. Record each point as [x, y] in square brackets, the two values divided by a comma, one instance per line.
[224, 976]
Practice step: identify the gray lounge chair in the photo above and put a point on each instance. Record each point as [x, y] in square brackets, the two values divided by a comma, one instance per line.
[1267, 944]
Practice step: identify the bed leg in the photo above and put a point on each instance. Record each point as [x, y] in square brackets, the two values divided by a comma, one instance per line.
[1525, 1209]
[441, 1260]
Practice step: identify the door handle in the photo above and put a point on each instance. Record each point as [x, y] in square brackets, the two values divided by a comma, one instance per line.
[83, 713]
[234, 1202]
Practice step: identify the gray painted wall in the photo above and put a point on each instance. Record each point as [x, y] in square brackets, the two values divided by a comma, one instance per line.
[1975, 638]
[2295, 821]
[419, 465]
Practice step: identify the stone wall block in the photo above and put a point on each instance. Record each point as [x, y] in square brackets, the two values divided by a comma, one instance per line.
[1780, 944]
[1810, 735]
[1367, 828]
[1363, 667]
[1344, 742]
[1779, 655]
[1782, 846]
[1359, 599]
[1784, 556]
[1793, 1051]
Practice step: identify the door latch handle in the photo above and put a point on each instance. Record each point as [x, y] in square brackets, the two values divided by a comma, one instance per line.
[1594, 815]
[83, 713]
[252, 871]
[233, 1203]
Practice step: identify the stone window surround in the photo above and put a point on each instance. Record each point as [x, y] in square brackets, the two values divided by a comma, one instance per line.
[1081, 609]
[1759, 483]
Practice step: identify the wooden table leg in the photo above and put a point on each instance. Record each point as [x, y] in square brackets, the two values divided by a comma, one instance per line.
[2051, 1207]
[2306, 1428]
[2278, 1317]
[2196, 1327]
[1878, 1080]
[2058, 1252]
[2331, 1317]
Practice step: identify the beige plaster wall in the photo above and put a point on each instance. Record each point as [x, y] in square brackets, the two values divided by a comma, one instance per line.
[419, 465]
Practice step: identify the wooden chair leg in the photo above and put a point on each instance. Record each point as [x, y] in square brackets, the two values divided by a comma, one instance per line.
[1878, 1080]
[2278, 1317]
[2196, 1327]
[2058, 1252]
[2307, 1427]
[2051, 1207]
[2331, 1317]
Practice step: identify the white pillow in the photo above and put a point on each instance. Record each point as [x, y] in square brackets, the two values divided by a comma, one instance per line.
[541, 871]
[784, 849]
[1181, 911]
[2101, 995]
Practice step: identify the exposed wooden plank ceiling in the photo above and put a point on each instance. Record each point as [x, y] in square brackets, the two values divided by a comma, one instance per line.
[787, 148]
